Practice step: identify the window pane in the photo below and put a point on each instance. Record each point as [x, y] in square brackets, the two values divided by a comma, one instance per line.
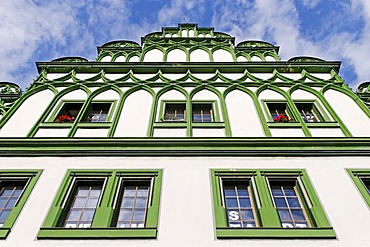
[174, 112]
[239, 208]
[366, 182]
[98, 112]
[202, 113]
[279, 112]
[288, 205]
[69, 112]
[308, 112]
[84, 204]
[134, 205]
[9, 195]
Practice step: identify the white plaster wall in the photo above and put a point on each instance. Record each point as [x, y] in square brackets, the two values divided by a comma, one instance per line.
[82, 132]
[53, 76]
[203, 76]
[107, 95]
[170, 95]
[287, 132]
[263, 76]
[114, 76]
[222, 56]
[242, 59]
[176, 55]
[301, 94]
[27, 115]
[48, 132]
[134, 119]
[73, 95]
[106, 59]
[85, 76]
[120, 59]
[199, 55]
[269, 94]
[169, 132]
[293, 76]
[256, 59]
[186, 209]
[134, 59]
[326, 132]
[209, 132]
[270, 59]
[244, 120]
[350, 113]
[154, 55]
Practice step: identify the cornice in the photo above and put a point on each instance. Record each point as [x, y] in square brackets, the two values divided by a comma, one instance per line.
[184, 147]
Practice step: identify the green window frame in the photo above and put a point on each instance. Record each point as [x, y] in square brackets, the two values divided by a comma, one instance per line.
[268, 222]
[313, 114]
[27, 180]
[85, 113]
[361, 178]
[106, 207]
[186, 111]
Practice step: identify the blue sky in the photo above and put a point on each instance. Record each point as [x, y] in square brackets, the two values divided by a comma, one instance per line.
[40, 30]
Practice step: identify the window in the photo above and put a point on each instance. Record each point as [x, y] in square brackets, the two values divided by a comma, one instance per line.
[267, 204]
[133, 204]
[361, 179]
[174, 112]
[279, 112]
[98, 112]
[15, 187]
[105, 204]
[239, 204]
[308, 112]
[69, 112]
[202, 112]
[288, 204]
[83, 205]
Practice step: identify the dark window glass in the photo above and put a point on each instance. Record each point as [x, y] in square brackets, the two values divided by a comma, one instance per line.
[279, 112]
[308, 112]
[98, 112]
[69, 112]
[174, 112]
[202, 113]
[366, 182]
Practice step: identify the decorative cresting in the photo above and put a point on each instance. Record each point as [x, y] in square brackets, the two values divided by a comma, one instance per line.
[305, 59]
[9, 93]
[363, 91]
[70, 59]
[183, 44]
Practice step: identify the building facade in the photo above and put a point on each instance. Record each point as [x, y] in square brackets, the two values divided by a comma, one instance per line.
[185, 140]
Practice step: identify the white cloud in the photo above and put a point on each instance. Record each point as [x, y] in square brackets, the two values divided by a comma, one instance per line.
[311, 3]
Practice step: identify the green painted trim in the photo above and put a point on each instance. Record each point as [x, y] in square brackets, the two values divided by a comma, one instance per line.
[277, 233]
[52, 105]
[322, 99]
[96, 233]
[270, 226]
[101, 225]
[33, 176]
[356, 174]
[261, 146]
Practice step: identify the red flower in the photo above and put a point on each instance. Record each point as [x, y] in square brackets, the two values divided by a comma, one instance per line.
[282, 118]
[64, 118]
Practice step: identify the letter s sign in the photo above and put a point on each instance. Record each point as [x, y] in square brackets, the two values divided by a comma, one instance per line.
[233, 215]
